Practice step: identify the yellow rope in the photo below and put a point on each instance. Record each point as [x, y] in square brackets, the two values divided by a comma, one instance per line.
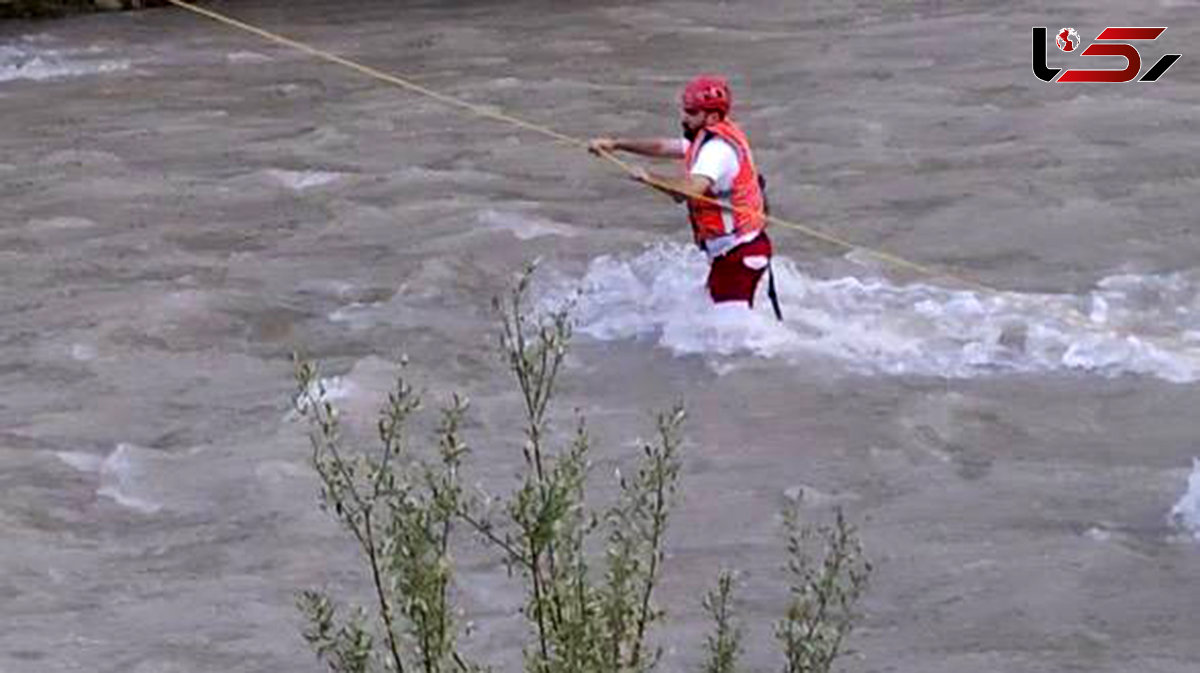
[561, 137]
[1072, 315]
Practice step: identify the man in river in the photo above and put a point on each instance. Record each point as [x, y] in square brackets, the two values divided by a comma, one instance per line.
[730, 226]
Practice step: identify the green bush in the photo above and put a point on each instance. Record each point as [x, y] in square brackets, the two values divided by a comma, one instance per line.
[29, 9]
[585, 614]
[42, 9]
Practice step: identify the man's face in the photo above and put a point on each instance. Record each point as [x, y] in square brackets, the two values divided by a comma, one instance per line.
[692, 121]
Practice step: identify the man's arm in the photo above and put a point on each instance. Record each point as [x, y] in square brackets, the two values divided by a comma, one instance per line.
[671, 148]
[679, 188]
[716, 164]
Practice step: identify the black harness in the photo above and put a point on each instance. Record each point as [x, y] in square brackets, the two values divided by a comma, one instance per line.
[774, 297]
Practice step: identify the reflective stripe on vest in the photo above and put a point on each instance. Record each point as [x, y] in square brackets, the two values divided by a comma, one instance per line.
[718, 229]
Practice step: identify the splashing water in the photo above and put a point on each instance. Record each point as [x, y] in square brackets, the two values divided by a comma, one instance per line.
[877, 327]
[36, 63]
[124, 475]
[1186, 513]
[302, 180]
[336, 389]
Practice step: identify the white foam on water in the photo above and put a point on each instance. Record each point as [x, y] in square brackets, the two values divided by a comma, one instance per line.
[874, 326]
[322, 390]
[29, 62]
[301, 180]
[119, 477]
[1185, 515]
[85, 159]
[326, 287]
[61, 223]
[121, 473]
[247, 57]
[524, 227]
[83, 352]
[359, 315]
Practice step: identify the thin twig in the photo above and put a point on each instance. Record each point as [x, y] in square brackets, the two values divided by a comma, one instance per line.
[385, 606]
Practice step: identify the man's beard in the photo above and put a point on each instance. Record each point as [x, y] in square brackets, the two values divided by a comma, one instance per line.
[689, 132]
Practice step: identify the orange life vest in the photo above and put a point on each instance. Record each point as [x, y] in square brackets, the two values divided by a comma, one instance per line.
[716, 229]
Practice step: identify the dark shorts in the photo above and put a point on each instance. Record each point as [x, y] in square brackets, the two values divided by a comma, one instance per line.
[731, 278]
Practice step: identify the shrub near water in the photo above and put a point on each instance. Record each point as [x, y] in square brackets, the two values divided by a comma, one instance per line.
[584, 614]
[19, 9]
[34, 9]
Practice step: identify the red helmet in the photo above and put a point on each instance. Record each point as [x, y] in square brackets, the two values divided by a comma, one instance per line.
[709, 93]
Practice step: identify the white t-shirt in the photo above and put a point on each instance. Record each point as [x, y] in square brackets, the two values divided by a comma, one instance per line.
[717, 161]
